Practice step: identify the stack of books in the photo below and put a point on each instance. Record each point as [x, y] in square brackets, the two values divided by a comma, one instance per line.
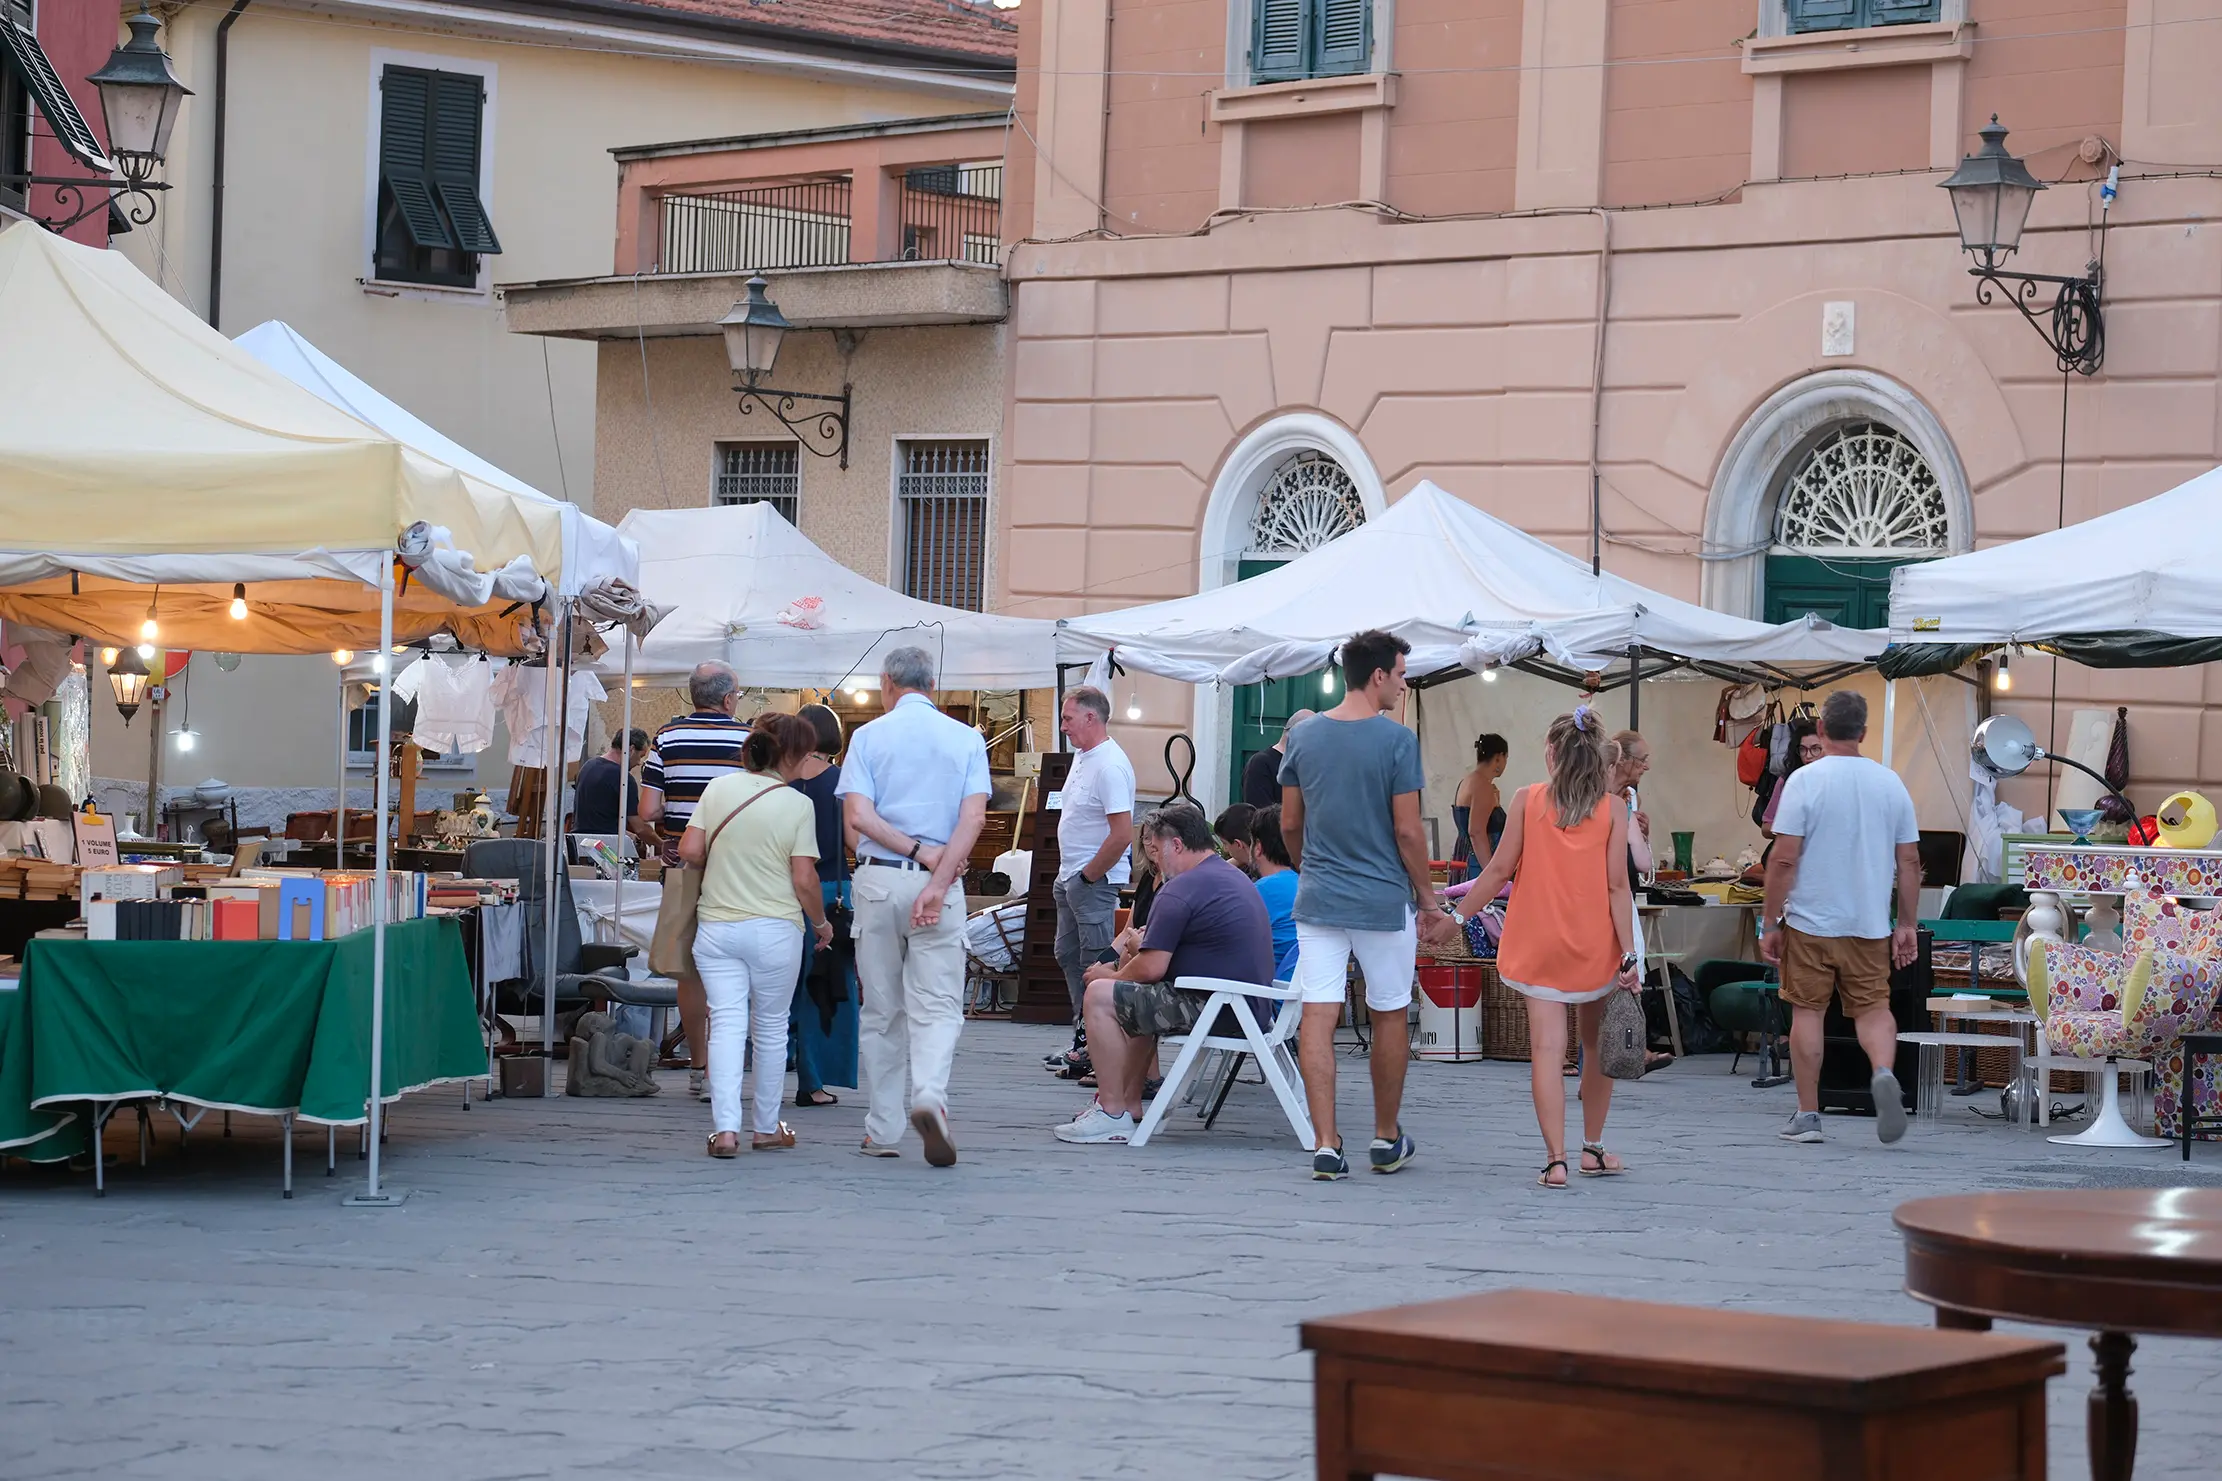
[149, 920]
[127, 882]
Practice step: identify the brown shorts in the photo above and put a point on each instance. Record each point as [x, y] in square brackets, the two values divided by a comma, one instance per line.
[1853, 968]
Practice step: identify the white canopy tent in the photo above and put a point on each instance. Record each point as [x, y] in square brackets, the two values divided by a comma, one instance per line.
[1464, 588]
[739, 581]
[592, 551]
[2148, 571]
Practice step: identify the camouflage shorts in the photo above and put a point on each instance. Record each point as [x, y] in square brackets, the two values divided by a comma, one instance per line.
[1149, 1010]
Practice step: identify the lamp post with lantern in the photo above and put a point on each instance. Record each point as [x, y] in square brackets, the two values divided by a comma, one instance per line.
[753, 332]
[1991, 193]
[139, 100]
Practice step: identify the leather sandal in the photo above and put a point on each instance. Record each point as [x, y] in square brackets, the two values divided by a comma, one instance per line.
[726, 1151]
[1603, 1169]
[1543, 1178]
[777, 1141]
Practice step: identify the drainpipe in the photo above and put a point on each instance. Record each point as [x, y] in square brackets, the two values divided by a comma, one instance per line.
[1596, 393]
[216, 184]
[1103, 162]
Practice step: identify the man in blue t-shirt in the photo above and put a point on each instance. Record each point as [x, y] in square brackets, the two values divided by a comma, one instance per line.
[1350, 816]
[1206, 921]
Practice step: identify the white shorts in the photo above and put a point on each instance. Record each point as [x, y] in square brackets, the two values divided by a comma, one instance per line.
[1386, 958]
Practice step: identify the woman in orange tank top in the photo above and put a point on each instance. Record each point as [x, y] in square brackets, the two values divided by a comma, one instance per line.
[1569, 929]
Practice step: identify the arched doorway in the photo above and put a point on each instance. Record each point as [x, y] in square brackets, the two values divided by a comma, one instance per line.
[1290, 485]
[1307, 500]
[1834, 480]
[1860, 502]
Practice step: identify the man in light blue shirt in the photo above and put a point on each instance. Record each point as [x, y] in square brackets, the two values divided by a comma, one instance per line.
[914, 792]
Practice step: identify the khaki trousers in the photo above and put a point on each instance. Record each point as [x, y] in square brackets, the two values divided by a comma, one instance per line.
[912, 983]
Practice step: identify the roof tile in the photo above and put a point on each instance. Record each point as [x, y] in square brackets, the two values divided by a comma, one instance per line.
[959, 26]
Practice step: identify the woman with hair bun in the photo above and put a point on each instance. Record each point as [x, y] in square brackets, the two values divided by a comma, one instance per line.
[755, 839]
[1569, 928]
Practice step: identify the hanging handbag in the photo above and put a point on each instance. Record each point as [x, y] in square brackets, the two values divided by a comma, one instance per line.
[1622, 1039]
[671, 951]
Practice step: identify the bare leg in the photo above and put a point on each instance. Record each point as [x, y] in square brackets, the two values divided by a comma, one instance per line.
[1114, 1054]
[1141, 1068]
[1596, 1085]
[1878, 1035]
[694, 1016]
[1315, 1044]
[1547, 1075]
[1805, 1055]
[1392, 1055]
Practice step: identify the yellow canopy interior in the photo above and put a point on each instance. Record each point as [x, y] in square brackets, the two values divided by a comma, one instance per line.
[282, 616]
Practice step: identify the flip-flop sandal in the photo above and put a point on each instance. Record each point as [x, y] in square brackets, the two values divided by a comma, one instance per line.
[778, 1141]
[724, 1152]
[818, 1105]
[1543, 1178]
[1602, 1169]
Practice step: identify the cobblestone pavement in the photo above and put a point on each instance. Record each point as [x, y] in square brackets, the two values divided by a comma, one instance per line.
[573, 1289]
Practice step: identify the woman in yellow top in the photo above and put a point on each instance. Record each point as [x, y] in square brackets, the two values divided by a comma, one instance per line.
[1569, 928]
[755, 839]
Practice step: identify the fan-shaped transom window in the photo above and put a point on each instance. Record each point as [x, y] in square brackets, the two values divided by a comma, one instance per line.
[1307, 501]
[1863, 490]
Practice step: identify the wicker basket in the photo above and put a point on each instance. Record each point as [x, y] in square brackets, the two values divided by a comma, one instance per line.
[1504, 1021]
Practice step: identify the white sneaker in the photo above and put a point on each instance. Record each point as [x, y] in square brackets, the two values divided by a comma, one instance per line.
[1097, 1125]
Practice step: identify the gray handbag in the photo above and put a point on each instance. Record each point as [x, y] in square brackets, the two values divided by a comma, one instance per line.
[1622, 1047]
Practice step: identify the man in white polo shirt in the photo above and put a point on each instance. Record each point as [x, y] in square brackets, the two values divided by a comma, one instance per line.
[914, 792]
[1095, 825]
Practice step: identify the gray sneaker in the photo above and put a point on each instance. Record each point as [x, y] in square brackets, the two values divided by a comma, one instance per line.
[1890, 1107]
[1803, 1126]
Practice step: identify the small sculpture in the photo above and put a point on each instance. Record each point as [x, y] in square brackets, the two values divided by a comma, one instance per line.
[607, 1063]
[2186, 820]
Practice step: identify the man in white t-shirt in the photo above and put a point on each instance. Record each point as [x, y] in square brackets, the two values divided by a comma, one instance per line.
[1095, 825]
[1844, 838]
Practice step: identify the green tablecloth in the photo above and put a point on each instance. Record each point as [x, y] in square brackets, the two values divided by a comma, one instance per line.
[267, 1026]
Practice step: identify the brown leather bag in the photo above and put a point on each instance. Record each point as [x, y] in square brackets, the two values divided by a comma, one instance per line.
[671, 950]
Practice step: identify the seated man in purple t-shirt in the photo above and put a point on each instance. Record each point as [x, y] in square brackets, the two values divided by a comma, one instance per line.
[1206, 921]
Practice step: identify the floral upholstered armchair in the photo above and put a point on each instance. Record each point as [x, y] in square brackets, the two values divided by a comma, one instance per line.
[2137, 1003]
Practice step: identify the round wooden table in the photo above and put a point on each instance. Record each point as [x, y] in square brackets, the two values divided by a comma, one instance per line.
[2116, 1261]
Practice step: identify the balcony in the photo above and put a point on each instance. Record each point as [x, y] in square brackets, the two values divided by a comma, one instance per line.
[858, 227]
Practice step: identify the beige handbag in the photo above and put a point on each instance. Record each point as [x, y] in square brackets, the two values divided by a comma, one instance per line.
[671, 950]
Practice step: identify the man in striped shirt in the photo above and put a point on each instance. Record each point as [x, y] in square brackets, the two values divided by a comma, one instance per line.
[688, 754]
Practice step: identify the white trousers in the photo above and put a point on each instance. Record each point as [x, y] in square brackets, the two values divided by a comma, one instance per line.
[913, 987]
[748, 971]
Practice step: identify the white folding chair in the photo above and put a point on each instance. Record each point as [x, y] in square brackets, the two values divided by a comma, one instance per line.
[1274, 1049]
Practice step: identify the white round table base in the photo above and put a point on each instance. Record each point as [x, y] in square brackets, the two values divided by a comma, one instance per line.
[2108, 1128]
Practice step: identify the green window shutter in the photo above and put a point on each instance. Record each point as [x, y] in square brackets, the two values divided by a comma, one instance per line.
[1822, 15]
[1345, 37]
[1279, 30]
[404, 150]
[1902, 12]
[458, 106]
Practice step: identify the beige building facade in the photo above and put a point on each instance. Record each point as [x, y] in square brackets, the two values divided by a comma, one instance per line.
[1692, 304]
[520, 104]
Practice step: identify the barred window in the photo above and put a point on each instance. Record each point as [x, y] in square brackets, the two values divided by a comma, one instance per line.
[942, 499]
[759, 473]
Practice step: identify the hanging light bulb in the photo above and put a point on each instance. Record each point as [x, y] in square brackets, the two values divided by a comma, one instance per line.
[1489, 676]
[378, 664]
[1327, 682]
[239, 601]
[185, 738]
[149, 630]
[2002, 678]
[1134, 705]
[343, 656]
[146, 650]
[108, 657]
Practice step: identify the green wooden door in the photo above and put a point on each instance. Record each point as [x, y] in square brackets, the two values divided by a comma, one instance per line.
[1261, 711]
[1849, 592]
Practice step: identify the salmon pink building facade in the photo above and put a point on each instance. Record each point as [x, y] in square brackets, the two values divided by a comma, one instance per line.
[1670, 284]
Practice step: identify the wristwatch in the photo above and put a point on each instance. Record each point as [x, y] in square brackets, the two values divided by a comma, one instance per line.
[1083, 873]
[915, 845]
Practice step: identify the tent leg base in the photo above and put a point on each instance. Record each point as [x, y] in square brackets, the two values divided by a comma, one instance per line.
[387, 1199]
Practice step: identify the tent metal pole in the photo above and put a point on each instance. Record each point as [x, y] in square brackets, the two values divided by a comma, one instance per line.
[339, 799]
[551, 833]
[1890, 718]
[1635, 687]
[624, 785]
[372, 1196]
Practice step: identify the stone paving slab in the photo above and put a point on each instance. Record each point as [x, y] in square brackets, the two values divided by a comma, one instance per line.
[572, 1286]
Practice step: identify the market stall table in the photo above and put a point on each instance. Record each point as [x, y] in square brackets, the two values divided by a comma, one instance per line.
[277, 1028]
[2119, 1261]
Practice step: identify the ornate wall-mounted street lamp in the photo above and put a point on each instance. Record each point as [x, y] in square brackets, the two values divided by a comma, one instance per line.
[753, 333]
[1991, 194]
[139, 99]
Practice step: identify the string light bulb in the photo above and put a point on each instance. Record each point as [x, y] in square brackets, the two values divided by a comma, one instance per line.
[1489, 676]
[149, 630]
[239, 601]
[2002, 678]
[146, 650]
[343, 656]
[108, 657]
[1327, 682]
[185, 739]
[1134, 706]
